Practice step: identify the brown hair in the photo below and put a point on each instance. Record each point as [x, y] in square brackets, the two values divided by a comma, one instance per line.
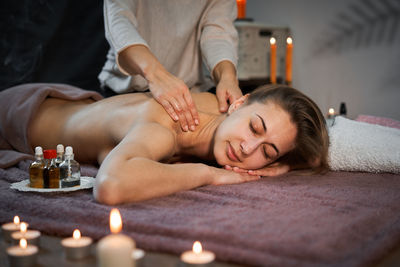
[312, 140]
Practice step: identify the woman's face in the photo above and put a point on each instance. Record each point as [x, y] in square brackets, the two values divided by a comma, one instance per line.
[253, 136]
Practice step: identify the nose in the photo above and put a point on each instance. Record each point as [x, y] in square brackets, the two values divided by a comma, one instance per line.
[248, 146]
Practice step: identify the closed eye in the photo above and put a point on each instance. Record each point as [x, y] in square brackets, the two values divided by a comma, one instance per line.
[253, 130]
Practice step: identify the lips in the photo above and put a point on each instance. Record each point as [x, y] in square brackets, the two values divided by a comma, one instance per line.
[230, 152]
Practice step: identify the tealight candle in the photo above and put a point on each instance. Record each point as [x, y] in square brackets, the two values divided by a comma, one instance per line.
[31, 236]
[197, 255]
[138, 256]
[23, 255]
[331, 113]
[9, 228]
[115, 249]
[76, 247]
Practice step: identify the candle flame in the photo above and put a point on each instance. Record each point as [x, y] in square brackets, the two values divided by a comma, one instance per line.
[16, 219]
[22, 243]
[77, 234]
[197, 247]
[23, 227]
[272, 40]
[289, 40]
[331, 111]
[115, 221]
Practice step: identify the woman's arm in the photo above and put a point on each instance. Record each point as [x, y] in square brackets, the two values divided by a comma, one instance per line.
[132, 171]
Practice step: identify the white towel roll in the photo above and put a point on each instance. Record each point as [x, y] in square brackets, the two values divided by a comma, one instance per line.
[359, 146]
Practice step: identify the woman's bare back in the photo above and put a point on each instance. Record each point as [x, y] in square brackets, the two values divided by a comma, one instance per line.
[95, 128]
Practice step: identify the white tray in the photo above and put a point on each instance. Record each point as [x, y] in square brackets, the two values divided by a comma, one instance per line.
[86, 183]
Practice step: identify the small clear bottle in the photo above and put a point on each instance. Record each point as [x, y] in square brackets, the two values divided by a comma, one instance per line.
[36, 169]
[51, 173]
[70, 170]
[60, 154]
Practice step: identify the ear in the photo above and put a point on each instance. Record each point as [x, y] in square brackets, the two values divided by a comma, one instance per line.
[237, 103]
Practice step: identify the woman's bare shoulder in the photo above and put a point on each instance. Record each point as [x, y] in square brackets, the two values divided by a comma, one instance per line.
[206, 102]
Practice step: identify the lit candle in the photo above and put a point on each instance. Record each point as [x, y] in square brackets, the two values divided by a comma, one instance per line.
[115, 249]
[76, 247]
[31, 236]
[289, 53]
[331, 113]
[9, 228]
[241, 8]
[23, 255]
[272, 60]
[197, 255]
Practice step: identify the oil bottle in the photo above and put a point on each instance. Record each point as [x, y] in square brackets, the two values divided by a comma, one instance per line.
[51, 173]
[70, 171]
[36, 169]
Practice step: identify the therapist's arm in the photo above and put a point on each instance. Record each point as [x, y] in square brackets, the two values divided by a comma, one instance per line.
[227, 84]
[170, 91]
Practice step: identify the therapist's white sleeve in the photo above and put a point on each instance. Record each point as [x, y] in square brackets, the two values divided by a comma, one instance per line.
[120, 26]
[219, 38]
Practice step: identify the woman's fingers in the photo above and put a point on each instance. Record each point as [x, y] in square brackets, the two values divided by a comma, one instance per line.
[271, 170]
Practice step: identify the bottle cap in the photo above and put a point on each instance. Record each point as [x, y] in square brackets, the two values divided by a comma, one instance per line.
[50, 153]
[69, 150]
[38, 150]
[60, 148]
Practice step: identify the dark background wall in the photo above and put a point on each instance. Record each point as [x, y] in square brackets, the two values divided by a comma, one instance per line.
[58, 41]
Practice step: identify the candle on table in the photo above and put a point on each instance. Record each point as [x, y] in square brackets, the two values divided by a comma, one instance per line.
[76, 247]
[197, 255]
[31, 236]
[272, 64]
[9, 228]
[241, 8]
[115, 249]
[331, 113]
[23, 255]
[289, 53]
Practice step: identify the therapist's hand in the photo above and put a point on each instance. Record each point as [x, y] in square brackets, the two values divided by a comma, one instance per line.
[168, 90]
[227, 90]
[173, 94]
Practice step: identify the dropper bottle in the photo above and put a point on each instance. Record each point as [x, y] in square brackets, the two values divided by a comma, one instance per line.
[70, 172]
[36, 169]
[60, 154]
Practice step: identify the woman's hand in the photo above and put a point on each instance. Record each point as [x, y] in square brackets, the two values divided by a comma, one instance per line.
[227, 84]
[273, 169]
[168, 90]
[227, 92]
[221, 176]
[173, 94]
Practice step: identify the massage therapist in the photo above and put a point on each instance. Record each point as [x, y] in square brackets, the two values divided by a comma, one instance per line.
[161, 46]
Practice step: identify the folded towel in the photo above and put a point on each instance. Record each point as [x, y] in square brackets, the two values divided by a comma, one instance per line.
[360, 146]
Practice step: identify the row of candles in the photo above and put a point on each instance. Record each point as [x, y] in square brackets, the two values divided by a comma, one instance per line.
[115, 249]
[288, 60]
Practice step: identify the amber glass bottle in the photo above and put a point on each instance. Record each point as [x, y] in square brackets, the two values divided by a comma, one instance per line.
[36, 169]
[51, 173]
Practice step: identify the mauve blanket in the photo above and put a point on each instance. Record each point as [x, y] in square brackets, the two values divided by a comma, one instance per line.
[18, 105]
[338, 219]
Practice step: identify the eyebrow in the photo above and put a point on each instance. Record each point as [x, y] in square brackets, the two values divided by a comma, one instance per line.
[265, 130]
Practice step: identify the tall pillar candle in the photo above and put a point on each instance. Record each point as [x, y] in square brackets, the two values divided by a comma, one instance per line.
[115, 249]
[289, 58]
[241, 8]
[272, 64]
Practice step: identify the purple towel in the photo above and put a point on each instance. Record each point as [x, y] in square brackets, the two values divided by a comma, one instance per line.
[17, 107]
[338, 219]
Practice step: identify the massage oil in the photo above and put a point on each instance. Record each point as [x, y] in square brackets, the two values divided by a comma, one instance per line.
[51, 173]
[36, 169]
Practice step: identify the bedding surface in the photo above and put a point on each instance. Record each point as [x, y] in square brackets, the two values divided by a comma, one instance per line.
[337, 219]
[18, 105]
